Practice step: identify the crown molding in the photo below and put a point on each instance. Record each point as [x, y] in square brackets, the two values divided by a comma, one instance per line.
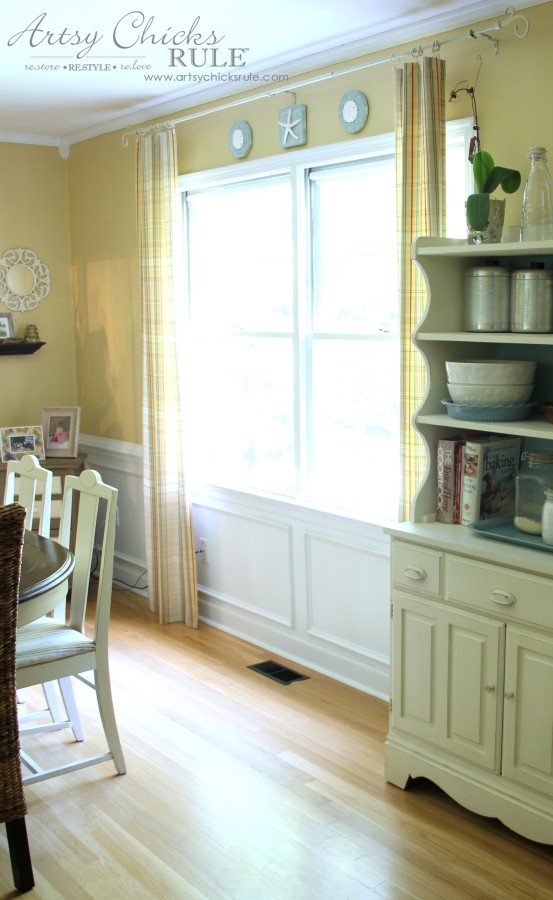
[15, 138]
[316, 57]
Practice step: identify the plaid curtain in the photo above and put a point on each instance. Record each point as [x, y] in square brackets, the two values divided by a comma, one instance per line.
[169, 540]
[420, 156]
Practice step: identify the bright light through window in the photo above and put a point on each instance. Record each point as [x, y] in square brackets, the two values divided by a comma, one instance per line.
[241, 313]
[354, 414]
[293, 372]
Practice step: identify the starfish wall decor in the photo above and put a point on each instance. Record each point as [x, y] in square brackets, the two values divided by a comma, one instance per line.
[293, 125]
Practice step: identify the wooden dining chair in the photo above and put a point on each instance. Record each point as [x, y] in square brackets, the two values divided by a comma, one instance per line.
[25, 478]
[49, 650]
[13, 806]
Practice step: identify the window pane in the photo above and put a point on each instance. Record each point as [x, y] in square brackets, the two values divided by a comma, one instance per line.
[243, 413]
[240, 257]
[354, 249]
[457, 187]
[355, 426]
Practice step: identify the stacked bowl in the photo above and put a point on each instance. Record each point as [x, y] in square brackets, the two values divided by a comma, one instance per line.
[494, 384]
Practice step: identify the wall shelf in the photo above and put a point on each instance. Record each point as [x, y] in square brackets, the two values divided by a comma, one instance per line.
[17, 348]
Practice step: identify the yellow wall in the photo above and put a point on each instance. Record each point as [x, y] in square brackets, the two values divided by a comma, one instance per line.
[34, 215]
[105, 286]
[512, 103]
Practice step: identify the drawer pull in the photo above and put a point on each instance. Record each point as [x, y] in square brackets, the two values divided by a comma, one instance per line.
[415, 573]
[489, 688]
[503, 598]
[509, 695]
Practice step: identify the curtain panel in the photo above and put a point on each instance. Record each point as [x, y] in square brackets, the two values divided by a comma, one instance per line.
[420, 159]
[169, 539]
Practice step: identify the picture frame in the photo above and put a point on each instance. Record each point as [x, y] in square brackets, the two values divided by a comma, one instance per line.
[6, 327]
[61, 425]
[17, 441]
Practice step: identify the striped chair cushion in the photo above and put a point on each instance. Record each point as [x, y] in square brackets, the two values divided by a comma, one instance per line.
[46, 640]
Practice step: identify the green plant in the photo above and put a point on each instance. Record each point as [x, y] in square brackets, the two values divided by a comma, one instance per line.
[487, 178]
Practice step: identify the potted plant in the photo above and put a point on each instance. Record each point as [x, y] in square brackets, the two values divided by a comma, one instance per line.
[487, 178]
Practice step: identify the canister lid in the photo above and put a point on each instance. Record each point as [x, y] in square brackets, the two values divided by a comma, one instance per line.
[536, 456]
[534, 274]
[487, 272]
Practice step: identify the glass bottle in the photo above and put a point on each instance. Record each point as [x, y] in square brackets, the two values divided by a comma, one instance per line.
[537, 202]
[547, 516]
[534, 475]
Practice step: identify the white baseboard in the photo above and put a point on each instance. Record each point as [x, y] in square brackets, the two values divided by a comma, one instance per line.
[370, 675]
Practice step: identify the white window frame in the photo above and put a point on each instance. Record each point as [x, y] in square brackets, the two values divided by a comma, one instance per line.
[296, 164]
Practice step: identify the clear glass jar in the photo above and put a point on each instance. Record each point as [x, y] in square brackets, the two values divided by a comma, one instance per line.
[547, 516]
[534, 475]
[537, 202]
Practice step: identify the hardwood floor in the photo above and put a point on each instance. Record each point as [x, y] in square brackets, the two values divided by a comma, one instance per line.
[238, 787]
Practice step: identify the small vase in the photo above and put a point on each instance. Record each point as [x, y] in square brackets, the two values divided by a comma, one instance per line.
[494, 229]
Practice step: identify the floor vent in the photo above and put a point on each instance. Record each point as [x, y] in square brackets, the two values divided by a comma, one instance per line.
[278, 672]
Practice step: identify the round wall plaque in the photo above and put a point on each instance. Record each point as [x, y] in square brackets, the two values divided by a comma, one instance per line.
[353, 111]
[240, 138]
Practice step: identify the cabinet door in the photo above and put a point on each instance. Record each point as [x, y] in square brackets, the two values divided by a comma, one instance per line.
[446, 677]
[528, 716]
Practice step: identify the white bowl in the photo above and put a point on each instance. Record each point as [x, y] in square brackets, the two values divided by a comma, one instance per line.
[490, 394]
[498, 371]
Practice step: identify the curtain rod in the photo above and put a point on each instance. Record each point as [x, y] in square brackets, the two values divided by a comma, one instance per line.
[512, 18]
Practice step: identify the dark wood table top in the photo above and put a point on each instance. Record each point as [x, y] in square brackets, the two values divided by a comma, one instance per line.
[45, 564]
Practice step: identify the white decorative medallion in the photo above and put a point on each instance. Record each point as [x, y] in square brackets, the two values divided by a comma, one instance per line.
[24, 279]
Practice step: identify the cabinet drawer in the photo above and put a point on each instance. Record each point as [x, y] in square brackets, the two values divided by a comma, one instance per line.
[416, 568]
[506, 593]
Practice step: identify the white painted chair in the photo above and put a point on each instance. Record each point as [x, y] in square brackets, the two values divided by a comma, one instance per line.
[25, 478]
[49, 650]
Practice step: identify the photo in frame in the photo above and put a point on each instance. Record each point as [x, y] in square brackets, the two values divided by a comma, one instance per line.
[6, 326]
[60, 425]
[20, 440]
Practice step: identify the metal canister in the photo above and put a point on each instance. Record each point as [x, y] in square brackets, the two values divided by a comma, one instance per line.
[532, 300]
[487, 299]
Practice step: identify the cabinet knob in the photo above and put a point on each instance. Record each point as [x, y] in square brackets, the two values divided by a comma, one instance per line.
[415, 573]
[503, 598]
[489, 688]
[509, 695]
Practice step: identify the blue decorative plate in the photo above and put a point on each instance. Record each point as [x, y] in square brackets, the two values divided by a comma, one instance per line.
[474, 413]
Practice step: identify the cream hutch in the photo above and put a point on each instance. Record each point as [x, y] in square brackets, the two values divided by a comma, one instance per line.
[472, 616]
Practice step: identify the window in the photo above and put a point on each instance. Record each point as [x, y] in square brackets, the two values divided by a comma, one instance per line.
[242, 319]
[292, 301]
[352, 339]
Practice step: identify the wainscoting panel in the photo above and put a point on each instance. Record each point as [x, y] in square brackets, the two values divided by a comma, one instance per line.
[245, 561]
[345, 583]
[120, 464]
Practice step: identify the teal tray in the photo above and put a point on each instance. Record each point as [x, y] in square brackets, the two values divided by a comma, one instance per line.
[502, 529]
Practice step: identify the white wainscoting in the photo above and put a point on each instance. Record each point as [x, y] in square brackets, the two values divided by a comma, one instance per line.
[307, 585]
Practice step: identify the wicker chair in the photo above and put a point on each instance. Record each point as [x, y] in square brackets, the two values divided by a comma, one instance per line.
[12, 799]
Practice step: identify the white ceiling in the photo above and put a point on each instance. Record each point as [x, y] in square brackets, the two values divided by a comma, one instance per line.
[51, 90]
